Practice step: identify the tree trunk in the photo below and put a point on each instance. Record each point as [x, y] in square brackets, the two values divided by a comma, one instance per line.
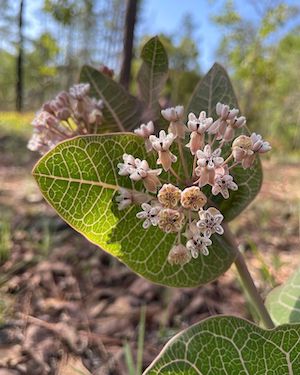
[20, 69]
[130, 20]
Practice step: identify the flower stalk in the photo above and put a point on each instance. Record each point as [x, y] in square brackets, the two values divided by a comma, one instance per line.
[247, 281]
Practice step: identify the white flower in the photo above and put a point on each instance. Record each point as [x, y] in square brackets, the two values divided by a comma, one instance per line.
[162, 144]
[175, 116]
[208, 158]
[235, 123]
[144, 131]
[200, 124]
[79, 91]
[128, 166]
[210, 222]
[197, 242]
[179, 255]
[223, 182]
[140, 171]
[258, 144]
[207, 162]
[197, 127]
[128, 197]
[149, 214]
[225, 115]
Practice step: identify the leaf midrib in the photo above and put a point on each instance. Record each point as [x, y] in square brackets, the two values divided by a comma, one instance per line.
[79, 181]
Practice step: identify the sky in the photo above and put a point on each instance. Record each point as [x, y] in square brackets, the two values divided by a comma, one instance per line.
[165, 16]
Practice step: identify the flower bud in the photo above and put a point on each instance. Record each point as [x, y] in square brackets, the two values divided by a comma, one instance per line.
[192, 198]
[170, 221]
[179, 255]
[169, 196]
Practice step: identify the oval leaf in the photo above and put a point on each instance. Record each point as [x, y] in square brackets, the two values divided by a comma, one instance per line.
[213, 88]
[79, 178]
[152, 75]
[283, 302]
[230, 345]
[122, 111]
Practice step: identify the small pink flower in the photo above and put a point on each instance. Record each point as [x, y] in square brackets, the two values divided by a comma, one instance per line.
[149, 214]
[210, 222]
[207, 162]
[197, 242]
[126, 168]
[144, 131]
[223, 182]
[236, 123]
[198, 127]
[225, 114]
[175, 116]
[162, 144]
[129, 197]
[258, 144]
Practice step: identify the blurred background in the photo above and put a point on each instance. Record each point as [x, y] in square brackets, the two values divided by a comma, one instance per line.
[63, 303]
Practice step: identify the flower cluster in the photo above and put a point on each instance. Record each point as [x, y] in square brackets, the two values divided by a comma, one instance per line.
[183, 210]
[69, 114]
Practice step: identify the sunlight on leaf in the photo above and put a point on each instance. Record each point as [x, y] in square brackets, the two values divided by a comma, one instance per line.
[229, 345]
[79, 178]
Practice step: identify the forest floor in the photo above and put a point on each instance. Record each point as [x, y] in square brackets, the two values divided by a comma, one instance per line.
[67, 307]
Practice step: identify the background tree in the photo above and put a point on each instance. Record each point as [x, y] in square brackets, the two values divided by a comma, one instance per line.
[251, 50]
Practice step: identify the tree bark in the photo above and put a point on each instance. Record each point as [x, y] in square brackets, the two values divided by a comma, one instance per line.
[20, 58]
[130, 20]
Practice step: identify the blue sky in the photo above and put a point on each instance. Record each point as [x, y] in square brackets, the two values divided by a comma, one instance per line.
[166, 15]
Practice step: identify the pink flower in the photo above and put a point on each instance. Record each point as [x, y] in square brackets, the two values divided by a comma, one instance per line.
[149, 214]
[198, 127]
[210, 222]
[225, 114]
[207, 162]
[144, 131]
[223, 182]
[175, 116]
[162, 144]
[236, 123]
[258, 144]
[197, 242]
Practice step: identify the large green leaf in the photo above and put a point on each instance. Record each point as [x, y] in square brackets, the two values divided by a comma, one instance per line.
[152, 75]
[230, 346]
[213, 88]
[79, 178]
[122, 111]
[283, 302]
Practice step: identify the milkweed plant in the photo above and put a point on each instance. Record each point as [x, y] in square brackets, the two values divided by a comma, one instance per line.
[156, 188]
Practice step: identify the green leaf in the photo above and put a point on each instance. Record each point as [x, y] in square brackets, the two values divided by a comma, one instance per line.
[213, 88]
[283, 302]
[230, 346]
[122, 111]
[79, 178]
[152, 75]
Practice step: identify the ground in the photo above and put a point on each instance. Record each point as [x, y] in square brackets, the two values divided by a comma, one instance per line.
[66, 307]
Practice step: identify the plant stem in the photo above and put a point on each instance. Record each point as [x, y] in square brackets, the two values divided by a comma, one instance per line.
[248, 282]
[183, 161]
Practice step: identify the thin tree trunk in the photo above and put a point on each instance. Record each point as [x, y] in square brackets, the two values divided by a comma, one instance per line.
[20, 58]
[130, 20]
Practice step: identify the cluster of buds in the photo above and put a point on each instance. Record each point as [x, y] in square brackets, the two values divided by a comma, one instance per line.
[69, 114]
[184, 210]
